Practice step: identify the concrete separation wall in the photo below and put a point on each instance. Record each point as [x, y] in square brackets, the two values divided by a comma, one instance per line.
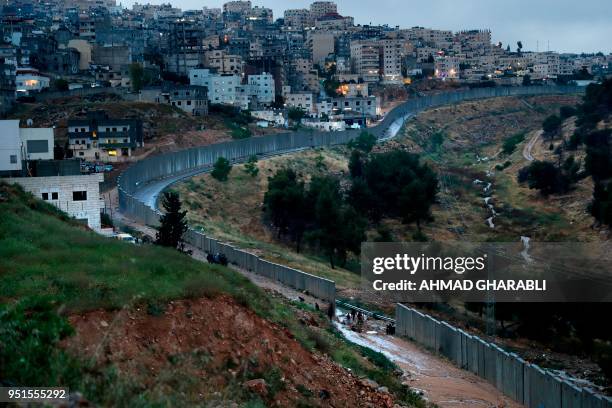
[523, 382]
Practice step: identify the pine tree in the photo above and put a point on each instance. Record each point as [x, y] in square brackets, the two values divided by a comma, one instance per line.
[172, 223]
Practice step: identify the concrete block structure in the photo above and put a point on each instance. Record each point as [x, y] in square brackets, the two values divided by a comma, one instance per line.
[77, 195]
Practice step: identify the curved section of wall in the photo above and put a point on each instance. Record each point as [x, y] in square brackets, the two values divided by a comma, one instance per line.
[187, 162]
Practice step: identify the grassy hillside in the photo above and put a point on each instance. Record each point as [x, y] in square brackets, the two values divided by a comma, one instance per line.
[142, 326]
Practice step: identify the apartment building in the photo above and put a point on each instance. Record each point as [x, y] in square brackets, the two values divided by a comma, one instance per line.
[428, 37]
[365, 60]
[222, 88]
[355, 107]
[320, 8]
[223, 62]
[98, 137]
[298, 18]
[239, 7]
[302, 100]
[262, 87]
[191, 99]
[375, 60]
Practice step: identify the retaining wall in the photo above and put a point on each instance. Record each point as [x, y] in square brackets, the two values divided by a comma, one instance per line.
[188, 162]
[523, 382]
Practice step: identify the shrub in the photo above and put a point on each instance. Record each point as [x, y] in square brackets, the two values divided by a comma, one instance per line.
[250, 166]
[221, 169]
[510, 144]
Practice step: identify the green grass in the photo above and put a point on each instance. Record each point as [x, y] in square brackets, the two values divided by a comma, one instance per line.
[44, 254]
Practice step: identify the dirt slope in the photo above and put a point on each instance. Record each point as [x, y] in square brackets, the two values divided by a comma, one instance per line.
[219, 344]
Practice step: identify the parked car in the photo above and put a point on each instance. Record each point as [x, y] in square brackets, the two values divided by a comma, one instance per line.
[126, 238]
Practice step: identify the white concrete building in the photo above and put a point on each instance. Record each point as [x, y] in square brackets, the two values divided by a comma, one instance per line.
[262, 87]
[304, 101]
[20, 144]
[78, 195]
[221, 88]
[29, 79]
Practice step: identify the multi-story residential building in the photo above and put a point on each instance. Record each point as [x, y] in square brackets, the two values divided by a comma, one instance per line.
[366, 59]
[334, 21]
[298, 18]
[421, 36]
[87, 28]
[222, 88]
[239, 7]
[356, 107]
[98, 137]
[320, 8]
[262, 14]
[302, 100]
[262, 87]
[223, 62]
[191, 99]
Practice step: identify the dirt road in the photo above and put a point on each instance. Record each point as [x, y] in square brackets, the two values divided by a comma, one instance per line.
[529, 146]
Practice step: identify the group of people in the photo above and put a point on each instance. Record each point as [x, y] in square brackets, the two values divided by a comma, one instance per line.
[355, 320]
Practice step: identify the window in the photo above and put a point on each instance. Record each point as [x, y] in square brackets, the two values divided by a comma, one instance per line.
[79, 196]
[45, 196]
[54, 196]
[188, 102]
[38, 146]
[81, 154]
[124, 129]
[13, 159]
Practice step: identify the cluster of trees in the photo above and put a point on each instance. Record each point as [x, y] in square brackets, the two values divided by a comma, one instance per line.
[334, 218]
[595, 107]
[392, 185]
[318, 213]
[549, 178]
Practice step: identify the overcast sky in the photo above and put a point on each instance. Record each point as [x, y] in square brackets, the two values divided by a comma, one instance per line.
[567, 25]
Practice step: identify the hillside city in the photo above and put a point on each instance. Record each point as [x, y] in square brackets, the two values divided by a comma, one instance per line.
[187, 198]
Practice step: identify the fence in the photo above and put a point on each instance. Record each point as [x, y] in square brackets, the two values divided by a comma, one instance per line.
[523, 382]
[172, 166]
